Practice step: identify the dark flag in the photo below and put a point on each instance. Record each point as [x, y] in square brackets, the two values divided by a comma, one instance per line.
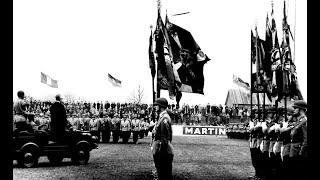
[259, 56]
[165, 76]
[267, 76]
[151, 57]
[188, 59]
[290, 83]
[276, 66]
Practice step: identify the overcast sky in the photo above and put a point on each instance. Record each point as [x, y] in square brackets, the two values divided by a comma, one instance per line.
[79, 42]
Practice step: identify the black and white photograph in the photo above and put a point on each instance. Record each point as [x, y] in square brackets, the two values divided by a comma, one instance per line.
[159, 90]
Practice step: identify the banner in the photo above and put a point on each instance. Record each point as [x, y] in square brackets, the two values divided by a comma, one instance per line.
[48, 80]
[204, 130]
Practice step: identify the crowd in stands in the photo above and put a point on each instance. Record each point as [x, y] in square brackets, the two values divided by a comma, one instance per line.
[209, 115]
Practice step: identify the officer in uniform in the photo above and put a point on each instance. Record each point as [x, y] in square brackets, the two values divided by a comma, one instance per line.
[135, 128]
[258, 134]
[125, 128]
[253, 141]
[115, 127]
[95, 126]
[146, 130]
[161, 147]
[142, 127]
[285, 131]
[106, 127]
[20, 113]
[298, 148]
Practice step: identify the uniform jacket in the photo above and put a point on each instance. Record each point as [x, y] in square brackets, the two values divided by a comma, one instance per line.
[163, 135]
[299, 138]
[135, 125]
[115, 124]
[125, 125]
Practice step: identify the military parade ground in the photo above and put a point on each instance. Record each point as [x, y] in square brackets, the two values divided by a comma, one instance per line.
[196, 157]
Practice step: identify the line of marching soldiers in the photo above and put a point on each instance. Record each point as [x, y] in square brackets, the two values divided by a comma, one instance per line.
[278, 144]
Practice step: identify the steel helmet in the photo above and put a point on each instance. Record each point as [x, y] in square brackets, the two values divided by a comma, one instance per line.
[300, 104]
[162, 102]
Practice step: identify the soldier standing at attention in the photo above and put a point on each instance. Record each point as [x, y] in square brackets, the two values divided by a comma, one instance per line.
[135, 128]
[95, 126]
[253, 141]
[286, 142]
[125, 128]
[298, 149]
[142, 127]
[106, 131]
[146, 130]
[161, 147]
[115, 127]
[259, 137]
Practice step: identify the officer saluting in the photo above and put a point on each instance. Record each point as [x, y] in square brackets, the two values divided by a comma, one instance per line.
[161, 146]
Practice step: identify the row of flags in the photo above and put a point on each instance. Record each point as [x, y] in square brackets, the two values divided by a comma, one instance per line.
[275, 69]
[54, 83]
[179, 58]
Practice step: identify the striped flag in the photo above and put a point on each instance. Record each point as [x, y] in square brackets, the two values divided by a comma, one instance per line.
[115, 82]
[48, 80]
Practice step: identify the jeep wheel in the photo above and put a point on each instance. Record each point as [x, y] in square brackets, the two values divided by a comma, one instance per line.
[81, 155]
[29, 157]
[55, 159]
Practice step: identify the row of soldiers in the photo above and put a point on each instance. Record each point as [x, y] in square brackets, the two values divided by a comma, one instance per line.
[237, 131]
[105, 125]
[278, 143]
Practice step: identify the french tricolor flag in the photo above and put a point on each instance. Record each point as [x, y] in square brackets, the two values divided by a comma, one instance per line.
[48, 80]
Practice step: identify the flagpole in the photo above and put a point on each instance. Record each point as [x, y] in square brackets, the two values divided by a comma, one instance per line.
[264, 106]
[251, 81]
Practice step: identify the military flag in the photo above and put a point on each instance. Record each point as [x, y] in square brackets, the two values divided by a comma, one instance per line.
[165, 76]
[290, 83]
[48, 80]
[257, 60]
[115, 82]
[188, 59]
[151, 57]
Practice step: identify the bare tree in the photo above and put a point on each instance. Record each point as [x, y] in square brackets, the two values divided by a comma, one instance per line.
[49, 97]
[137, 96]
[69, 97]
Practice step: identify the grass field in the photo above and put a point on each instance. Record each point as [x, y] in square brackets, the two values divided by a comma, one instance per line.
[195, 157]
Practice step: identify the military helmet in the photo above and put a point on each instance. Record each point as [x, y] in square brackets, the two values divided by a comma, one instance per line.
[162, 102]
[300, 104]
